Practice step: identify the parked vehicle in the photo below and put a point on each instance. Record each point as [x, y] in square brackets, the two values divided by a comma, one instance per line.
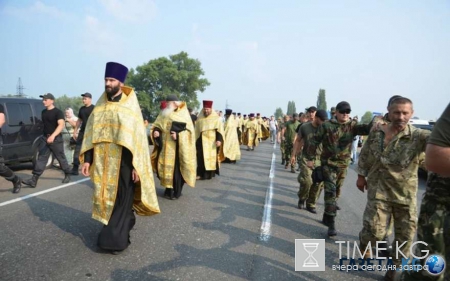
[22, 131]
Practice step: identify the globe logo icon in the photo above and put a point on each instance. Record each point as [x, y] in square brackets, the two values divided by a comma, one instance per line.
[436, 264]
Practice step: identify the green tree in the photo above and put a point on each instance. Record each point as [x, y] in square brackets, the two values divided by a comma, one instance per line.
[278, 113]
[367, 117]
[291, 108]
[321, 100]
[178, 74]
[64, 102]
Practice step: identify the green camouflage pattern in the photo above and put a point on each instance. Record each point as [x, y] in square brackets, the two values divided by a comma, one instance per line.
[433, 227]
[330, 178]
[391, 171]
[307, 192]
[314, 194]
[288, 147]
[392, 183]
[340, 182]
[336, 140]
[376, 220]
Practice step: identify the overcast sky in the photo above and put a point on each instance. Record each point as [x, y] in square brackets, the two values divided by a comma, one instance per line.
[258, 55]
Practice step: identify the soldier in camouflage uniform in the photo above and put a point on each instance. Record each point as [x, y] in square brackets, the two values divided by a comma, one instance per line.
[282, 125]
[288, 134]
[308, 192]
[336, 137]
[389, 160]
[434, 217]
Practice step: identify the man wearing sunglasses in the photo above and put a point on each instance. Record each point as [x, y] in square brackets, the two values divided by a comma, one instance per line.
[336, 137]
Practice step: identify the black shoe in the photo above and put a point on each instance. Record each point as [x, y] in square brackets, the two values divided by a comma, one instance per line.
[331, 226]
[31, 182]
[248, 149]
[311, 210]
[282, 162]
[66, 178]
[301, 204]
[17, 182]
[337, 207]
[332, 230]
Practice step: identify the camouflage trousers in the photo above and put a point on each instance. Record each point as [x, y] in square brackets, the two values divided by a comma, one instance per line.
[282, 150]
[434, 229]
[340, 182]
[308, 191]
[288, 147]
[331, 183]
[376, 220]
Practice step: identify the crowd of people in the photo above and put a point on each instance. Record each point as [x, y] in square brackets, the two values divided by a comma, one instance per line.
[112, 146]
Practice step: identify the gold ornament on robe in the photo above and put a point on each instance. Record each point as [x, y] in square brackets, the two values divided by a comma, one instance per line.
[231, 149]
[164, 163]
[206, 127]
[110, 127]
[251, 130]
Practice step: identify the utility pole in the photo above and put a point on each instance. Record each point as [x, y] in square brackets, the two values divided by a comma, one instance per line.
[20, 88]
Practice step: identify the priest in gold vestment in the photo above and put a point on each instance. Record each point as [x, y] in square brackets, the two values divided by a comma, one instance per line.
[174, 155]
[209, 135]
[251, 131]
[231, 149]
[115, 154]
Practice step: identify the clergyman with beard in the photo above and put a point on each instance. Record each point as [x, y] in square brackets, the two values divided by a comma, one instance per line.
[115, 154]
[209, 135]
[174, 156]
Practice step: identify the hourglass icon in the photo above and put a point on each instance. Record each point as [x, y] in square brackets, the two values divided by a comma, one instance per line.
[310, 260]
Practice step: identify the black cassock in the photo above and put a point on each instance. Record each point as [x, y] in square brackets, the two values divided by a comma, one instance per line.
[178, 180]
[115, 236]
[201, 170]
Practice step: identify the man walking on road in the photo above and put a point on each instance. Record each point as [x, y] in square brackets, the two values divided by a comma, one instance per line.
[434, 213]
[51, 142]
[209, 135]
[115, 154]
[174, 155]
[5, 171]
[83, 116]
[336, 136]
[308, 192]
[387, 168]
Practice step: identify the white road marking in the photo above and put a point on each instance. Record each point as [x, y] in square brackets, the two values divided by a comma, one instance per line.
[267, 217]
[42, 192]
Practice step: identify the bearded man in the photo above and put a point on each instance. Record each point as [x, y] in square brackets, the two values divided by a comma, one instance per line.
[209, 135]
[173, 156]
[114, 154]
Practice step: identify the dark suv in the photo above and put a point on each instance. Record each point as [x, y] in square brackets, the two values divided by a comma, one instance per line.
[22, 130]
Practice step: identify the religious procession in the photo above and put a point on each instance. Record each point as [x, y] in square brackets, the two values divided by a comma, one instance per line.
[112, 148]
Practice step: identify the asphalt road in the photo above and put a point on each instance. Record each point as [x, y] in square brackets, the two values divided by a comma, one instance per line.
[213, 232]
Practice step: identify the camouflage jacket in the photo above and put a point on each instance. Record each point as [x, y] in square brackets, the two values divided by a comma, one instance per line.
[391, 171]
[336, 140]
[438, 188]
